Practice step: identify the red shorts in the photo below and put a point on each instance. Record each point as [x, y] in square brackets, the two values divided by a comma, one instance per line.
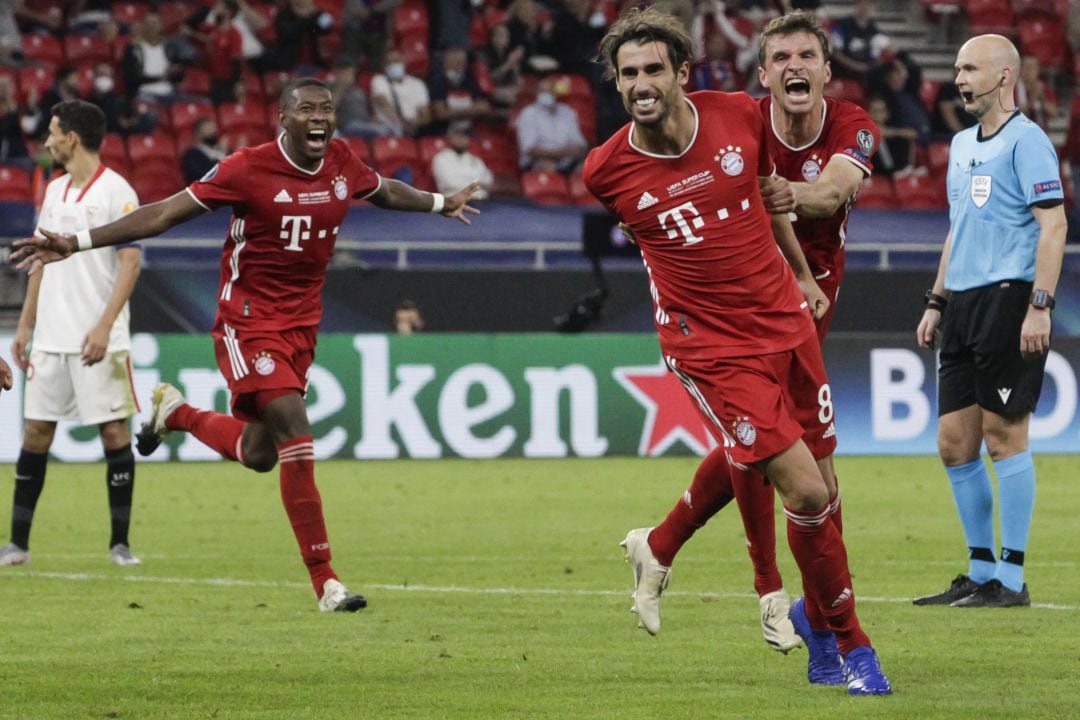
[759, 406]
[254, 361]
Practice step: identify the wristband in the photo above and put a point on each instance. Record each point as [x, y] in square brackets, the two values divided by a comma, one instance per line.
[438, 200]
[935, 301]
[82, 240]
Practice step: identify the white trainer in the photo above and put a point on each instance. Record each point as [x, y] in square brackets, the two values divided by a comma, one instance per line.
[337, 598]
[650, 579]
[120, 554]
[776, 626]
[12, 554]
[164, 401]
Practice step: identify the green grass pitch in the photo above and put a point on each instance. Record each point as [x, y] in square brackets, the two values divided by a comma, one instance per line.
[497, 590]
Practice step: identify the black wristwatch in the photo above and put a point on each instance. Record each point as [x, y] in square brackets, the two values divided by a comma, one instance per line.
[935, 301]
[1042, 300]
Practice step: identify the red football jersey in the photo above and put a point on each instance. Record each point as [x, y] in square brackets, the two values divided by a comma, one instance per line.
[847, 131]
[284, 224]
[720, 285]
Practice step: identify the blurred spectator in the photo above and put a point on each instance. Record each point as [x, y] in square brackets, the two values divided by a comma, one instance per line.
[86, 16]
[455, 167]
[549, 135]
[897, 82]
[575, 37]
[151, 64]
[407, 318]
[503, 62]
[209, 149]
[530, 33]
[10, 38]
[950, 117]
[716, 71]
[455, 96]
[353, 114]
[400, 101]
[121, 114]
[896, 153]
[224, 49]
[1035, 98]
[857, 43]
[452, 19]
[32, 19]
[13, 149]
[247, 20]
[712, 19]
[683, 10]
[299, 25]
[364, 30]
[35, 122]
[1072, 27]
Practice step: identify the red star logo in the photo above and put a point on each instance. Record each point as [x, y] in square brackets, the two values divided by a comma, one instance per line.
[670, 413]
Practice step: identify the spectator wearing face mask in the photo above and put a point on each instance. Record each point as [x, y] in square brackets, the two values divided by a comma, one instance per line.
[209, 149]
[549, 134]
[455, 95]
[456, 166]
[400, 101]
[121, 114]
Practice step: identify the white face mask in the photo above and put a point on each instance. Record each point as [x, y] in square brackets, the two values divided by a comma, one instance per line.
[395, 71]
[103, 84]
[545, 99]
[455, 76]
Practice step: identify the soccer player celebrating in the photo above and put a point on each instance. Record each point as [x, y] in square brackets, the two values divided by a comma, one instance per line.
[288, 198]
[732, 322]
[822, 148]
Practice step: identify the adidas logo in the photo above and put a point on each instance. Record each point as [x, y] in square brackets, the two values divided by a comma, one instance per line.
[842, 598]
[1004, 393]
[647, 201]
[829, 431]
[282, 197]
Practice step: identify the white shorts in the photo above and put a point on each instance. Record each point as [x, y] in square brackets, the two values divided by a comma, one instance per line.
[60, 387]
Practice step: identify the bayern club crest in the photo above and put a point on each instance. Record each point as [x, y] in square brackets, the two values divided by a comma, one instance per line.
[264, 364]
[811, 170]
[731, 160]
[745, 432]
[341, 188]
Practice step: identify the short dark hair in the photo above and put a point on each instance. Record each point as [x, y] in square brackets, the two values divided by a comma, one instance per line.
[794, 22]
[296, 84]
[642, 26]
[82, 118]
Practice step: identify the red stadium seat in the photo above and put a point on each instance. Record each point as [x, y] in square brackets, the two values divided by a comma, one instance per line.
[34, 80]
[359, 146]
[497, 152]
[42, 50]
[410, 20]
[247, 136]
[876, 193]
[14, 185]
[157, 150]
[937, 157]
[573, 86]
[917, 191]
[389, 152]
[579, 194]
[586, 113]
[546, 188]
[1045, 39]
[928, 91]
[114, 153]
[153, 184]
[173, 15]
[417, 57]
[87, 49]
[196, 81]
[990, 16]
[129, 13]
[1044, 9]
[847, 89]
[232, 116]
[431, 146]
[184, 115]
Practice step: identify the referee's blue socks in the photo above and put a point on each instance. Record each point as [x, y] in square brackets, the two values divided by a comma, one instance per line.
[974, 497]
[1016, 503]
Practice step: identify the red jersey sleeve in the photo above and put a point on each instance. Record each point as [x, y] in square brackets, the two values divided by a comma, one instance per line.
[854, 135]
[362, 179]
[766, 165]
[224, 184]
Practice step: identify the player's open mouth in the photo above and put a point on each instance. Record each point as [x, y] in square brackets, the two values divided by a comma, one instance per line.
[967, 96]
[316, 139]
[797, 87]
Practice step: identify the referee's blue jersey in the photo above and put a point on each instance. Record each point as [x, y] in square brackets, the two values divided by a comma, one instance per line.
[993, 183]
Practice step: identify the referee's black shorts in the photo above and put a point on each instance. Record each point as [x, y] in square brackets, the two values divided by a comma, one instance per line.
[981, 362]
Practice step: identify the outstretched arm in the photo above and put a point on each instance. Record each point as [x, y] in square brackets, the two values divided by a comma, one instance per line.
[396, 195]
[145, 222]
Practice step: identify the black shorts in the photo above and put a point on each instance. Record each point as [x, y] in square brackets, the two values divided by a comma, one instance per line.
[980, 360]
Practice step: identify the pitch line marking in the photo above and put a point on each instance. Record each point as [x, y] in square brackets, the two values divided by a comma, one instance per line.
[435, 589]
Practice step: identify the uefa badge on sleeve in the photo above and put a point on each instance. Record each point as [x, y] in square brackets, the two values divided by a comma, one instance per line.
[264, 364]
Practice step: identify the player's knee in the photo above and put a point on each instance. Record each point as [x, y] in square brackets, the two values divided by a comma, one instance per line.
[261, 463]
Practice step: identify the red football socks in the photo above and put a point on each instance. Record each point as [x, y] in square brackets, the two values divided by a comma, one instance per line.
[709, 492]
[304, 507]
[220, 433]
[758, 510]
[822, 558]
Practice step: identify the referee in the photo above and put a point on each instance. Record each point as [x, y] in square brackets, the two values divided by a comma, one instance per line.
[991, 301]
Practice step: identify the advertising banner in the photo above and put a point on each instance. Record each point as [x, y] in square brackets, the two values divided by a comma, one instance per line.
[546, 395]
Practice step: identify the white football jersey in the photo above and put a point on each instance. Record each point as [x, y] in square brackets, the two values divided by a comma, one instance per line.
[75, 291]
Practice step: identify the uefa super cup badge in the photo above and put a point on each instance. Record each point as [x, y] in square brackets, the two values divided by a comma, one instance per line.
[730, 159]
[745, 432]
[264, 364]
[811, 169]
[341, 188]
